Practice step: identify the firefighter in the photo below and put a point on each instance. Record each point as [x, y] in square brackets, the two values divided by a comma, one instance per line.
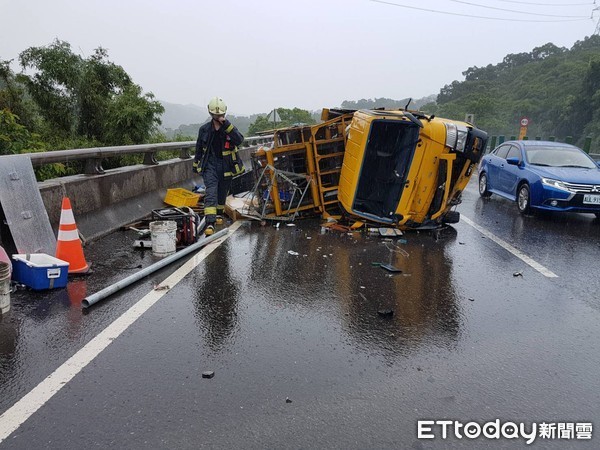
[217, 160]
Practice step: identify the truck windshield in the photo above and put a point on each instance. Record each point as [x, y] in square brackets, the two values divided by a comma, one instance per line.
[385, 166]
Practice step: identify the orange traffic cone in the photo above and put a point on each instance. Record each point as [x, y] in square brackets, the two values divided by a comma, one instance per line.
[68, 245]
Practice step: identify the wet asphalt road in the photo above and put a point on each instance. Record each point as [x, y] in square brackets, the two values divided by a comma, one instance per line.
[467, 341]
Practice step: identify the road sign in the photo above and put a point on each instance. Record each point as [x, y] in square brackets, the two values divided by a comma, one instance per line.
[524, 122]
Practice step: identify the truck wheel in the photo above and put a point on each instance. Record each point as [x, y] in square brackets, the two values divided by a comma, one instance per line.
[451, 217]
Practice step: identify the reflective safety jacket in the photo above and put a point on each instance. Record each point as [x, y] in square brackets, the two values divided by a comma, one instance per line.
[223, 144]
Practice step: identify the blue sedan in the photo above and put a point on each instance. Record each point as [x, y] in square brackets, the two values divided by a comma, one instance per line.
[541, 175]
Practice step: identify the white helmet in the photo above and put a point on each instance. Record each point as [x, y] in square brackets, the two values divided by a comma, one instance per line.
[217, 106]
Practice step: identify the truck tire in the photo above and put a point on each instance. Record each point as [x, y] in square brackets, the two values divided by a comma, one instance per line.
[451, 217]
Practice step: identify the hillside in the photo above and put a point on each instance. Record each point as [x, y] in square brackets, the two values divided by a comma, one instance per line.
[176, 115]
[387, 103]
[558, 89]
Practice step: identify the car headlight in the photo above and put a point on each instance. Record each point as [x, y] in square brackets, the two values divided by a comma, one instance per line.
[555, 184]
[456, 136]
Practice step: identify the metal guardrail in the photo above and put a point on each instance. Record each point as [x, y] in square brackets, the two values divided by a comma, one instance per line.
[93, 156]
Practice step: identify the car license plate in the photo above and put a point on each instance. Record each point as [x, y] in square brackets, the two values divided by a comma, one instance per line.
[590, 199]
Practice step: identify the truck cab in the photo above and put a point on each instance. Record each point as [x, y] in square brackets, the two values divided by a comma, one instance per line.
[405, 168]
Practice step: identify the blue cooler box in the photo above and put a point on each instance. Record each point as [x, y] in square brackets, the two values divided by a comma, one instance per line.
[40, 271]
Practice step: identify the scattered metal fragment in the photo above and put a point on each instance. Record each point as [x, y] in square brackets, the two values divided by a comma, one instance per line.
[390, 268]
[518, 274]
[461, 243]
[158, 287]
[208, 374]
[287, 400]
[293, 253]
[471, 299]
[386, 312]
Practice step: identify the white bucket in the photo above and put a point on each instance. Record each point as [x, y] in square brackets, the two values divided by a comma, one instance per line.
[163, 234]
[4, 287]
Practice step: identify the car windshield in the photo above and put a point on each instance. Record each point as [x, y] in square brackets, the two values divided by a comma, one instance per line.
[558, 157]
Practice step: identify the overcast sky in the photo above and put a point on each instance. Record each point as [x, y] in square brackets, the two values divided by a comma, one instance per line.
[311, 54]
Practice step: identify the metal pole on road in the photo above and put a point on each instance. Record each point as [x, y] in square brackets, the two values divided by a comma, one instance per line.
[100, 295]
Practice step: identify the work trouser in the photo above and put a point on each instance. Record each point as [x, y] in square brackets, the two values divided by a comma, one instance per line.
[217, 187]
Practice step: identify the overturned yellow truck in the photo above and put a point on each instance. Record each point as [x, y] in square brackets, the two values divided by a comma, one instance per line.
[401, 168]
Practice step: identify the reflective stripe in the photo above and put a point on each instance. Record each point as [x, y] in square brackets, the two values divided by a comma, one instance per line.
[68, 227]
[228, 174]
[70, 235]
[229, 129]
[210, 210]
[67, 217]
[232, 153]
[220, 207]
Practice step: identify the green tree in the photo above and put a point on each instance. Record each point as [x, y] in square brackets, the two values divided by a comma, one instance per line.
[132, 117]
[14, 137]
[556, 88]
[13, 97]
[90, 98]
[288, 117]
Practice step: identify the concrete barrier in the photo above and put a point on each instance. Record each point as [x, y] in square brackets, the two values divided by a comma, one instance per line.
[103, 203]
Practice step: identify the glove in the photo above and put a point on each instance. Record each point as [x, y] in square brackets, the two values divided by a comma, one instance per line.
[196, 167]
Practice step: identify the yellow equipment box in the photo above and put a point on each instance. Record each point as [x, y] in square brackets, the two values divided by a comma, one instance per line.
[181, 197]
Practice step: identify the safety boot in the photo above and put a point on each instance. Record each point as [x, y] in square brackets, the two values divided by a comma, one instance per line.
[219, 220]
[209, 230]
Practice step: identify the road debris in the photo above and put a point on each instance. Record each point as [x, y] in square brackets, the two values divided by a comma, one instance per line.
[138, 243]
[208, 374]
[396, 249]
[287, 400]
[390, 268]
[158, 287]
[518, 274]
[293, 253]
[386, 312]
[471, 299]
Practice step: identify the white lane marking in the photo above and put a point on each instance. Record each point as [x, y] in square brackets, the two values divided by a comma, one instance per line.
[505, 245]
[17, 414]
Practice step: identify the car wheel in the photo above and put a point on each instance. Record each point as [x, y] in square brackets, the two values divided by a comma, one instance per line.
[523, 199]
[483, 186]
